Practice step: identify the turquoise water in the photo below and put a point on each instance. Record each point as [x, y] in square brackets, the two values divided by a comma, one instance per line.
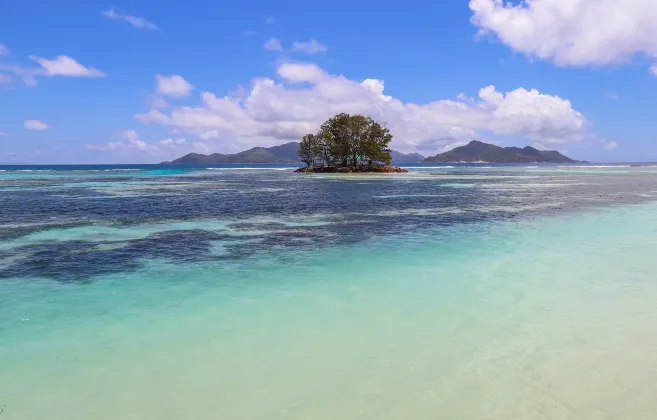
[517, 297]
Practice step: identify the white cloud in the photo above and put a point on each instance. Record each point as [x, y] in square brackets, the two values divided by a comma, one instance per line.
[454, 145]
[135, 146]
[134, 143]
[25, 74]
[301, 72]
[608, 144]
[3, 50]
[171, 142]
[273, 44]
[376, 86]
[653, 70]
[174, 86]
[5, 79]
[35, 125]
[464, 98]
[199, 147]
[572, 32]
[310, 47]
[274, 111]
[65, 66]
[539, 146]
[131, 135]
[135, 21]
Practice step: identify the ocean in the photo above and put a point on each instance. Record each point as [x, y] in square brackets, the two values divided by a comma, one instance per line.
[251, 292]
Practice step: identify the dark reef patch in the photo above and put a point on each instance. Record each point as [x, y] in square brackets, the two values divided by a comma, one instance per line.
[253, 222]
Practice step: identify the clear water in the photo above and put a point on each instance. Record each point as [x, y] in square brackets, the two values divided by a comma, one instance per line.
[465, 292]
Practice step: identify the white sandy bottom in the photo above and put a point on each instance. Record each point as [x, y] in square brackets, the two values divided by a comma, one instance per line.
[550, 319]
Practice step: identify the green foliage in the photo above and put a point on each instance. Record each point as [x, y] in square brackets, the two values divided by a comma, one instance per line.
[308, 149]
[347, 140]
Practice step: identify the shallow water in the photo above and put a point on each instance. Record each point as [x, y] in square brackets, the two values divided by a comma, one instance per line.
[198, 295]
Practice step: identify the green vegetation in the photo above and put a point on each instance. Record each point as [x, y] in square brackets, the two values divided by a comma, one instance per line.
[285, 153]
[347, 140]
[477, 151]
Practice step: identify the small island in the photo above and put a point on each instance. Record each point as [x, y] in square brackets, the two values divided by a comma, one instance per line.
[347, 144]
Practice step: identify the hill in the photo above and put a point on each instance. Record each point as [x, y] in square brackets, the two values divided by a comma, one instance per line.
[398, 157]
[477, 151]
[285, 153]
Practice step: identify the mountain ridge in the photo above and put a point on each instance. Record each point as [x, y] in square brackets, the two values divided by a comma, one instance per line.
[477, 151]
[284, 153]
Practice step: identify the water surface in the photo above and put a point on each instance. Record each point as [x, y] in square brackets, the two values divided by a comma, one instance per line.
[479, 292]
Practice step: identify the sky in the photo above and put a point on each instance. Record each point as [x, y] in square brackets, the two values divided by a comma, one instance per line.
[142, 81]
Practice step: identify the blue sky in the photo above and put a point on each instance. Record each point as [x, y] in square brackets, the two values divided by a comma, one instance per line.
[145, 81]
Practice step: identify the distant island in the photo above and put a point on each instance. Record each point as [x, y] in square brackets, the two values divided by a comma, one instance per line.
[285, 153]
[321, 155]
[479, 152]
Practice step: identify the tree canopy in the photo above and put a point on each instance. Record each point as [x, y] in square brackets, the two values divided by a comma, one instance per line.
[347, 140]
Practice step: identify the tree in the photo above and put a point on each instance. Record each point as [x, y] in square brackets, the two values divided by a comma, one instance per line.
[323, 148]
[348, 140]
[308, 149]
[376, 143]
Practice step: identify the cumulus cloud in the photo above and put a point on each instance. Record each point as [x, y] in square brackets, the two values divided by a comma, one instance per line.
[306, 95]
[301, 72]
[175, 86]
[35, 125]
[310, 47]
[65, 66]
[59, 66]
[135, 145]
[572, 32]
[273, 44]
[137, 22]
[133, 142]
